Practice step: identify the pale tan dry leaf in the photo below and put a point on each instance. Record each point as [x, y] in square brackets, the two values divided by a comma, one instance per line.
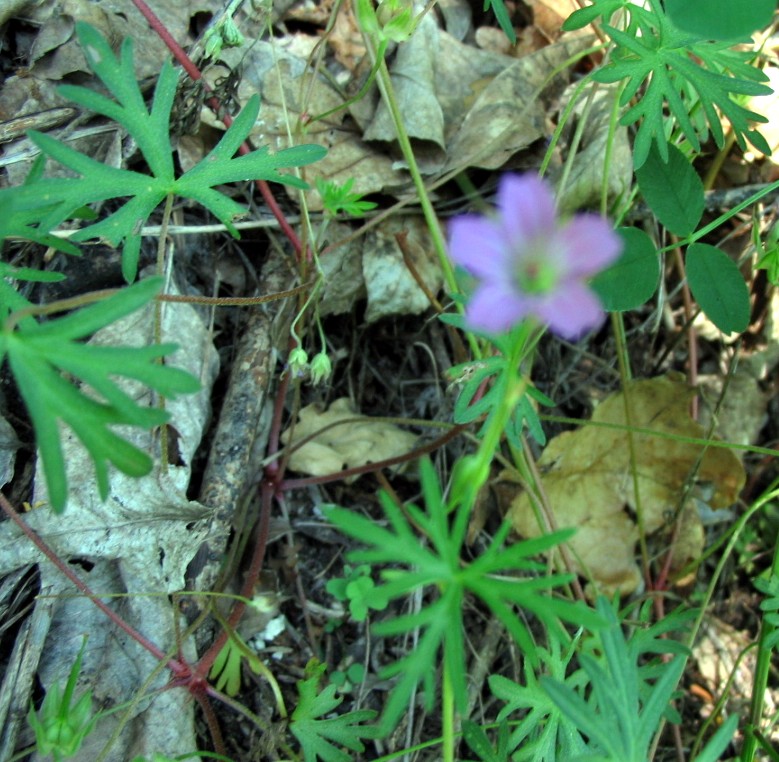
[549, 15]
[348, 440]
[511, 112]
[391, 287]
[587, 477]
[413, 76]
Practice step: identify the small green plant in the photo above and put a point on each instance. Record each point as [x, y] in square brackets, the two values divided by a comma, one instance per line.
[39, 353]
[694, 76]
[319, 733]
[624, 709]
[61, 726]
[438, 566]
[56, 199]
[338, 199]
[344, 681]
[226, 669]
[358, 588]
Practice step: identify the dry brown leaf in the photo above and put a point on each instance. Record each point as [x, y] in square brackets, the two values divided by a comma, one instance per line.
[391, 287]
[548, 15]
[587, 477]
[511, 112]
[349, 440]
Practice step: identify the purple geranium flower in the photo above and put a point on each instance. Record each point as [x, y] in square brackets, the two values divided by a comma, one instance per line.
[529, 264]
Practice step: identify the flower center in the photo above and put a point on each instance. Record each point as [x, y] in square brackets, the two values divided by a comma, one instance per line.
[535, 274]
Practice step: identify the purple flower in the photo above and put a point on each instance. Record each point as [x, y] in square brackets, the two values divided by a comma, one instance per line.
[527, 263]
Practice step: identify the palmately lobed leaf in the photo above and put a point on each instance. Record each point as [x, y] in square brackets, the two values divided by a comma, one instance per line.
[671, 61]
[317, 735]
[57, 199]
[39, 354]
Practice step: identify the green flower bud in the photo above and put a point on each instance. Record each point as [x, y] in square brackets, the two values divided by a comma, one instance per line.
[470, 473]
[396, 19]
[231, 34]
[213, 41]
[298, 362]
[321, 368]
[392, 20]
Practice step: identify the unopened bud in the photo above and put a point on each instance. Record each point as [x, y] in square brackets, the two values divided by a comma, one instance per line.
[298, 362]
[321, 368]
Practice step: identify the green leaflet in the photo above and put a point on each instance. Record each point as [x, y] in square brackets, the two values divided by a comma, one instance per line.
[632, 280]
[672, 189]
[718, 286]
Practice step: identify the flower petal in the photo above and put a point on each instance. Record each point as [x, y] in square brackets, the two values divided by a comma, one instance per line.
[476, 244]
[571, 311]
[527, 208]
[590, 244]
[494, 308]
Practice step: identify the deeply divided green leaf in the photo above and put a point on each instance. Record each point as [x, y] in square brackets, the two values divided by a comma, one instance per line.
[40, 353]
[498, 577]
[320, 735]
[670, 61]
[57, 199]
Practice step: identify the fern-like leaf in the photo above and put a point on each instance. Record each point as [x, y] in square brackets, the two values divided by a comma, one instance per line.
[665, 59]
[437, 564]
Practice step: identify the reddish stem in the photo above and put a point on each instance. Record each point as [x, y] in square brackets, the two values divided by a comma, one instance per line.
[175, 666]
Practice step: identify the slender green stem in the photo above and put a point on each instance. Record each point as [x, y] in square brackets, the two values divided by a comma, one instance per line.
[388, 94]
[514, 388]
[762, 670]
[474, 470]
[447, 715]
[161, 247]
[434, 226]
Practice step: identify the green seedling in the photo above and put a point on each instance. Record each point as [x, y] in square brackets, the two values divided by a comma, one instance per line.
[317, 730]
[359, 590]
[339, 198]
[61, 726]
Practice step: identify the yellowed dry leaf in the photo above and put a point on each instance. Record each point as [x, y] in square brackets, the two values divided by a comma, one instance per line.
[587, 477]
[348, 440]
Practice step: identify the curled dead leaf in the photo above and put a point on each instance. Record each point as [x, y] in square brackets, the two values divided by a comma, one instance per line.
[587, 477]
[347, 440]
